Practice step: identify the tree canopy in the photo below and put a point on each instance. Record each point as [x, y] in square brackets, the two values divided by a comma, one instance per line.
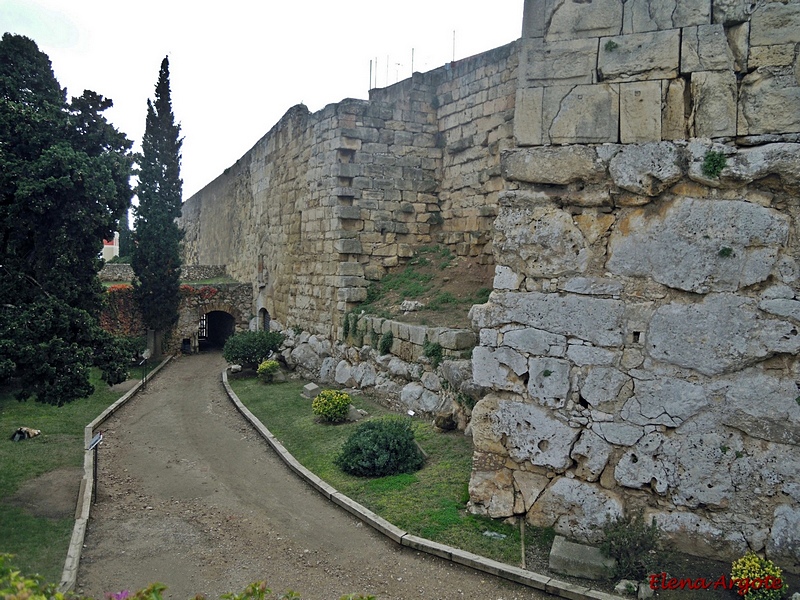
[64, 185]
[156, 259]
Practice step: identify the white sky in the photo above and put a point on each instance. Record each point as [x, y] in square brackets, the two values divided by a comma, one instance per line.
[236, 68]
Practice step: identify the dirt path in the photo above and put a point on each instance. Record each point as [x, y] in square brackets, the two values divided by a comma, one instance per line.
[189, 495]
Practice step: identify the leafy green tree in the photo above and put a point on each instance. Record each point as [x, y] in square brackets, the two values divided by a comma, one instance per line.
[64, 184]
[156, 259]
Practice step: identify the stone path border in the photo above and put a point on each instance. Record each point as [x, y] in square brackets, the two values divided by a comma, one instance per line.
[84, 504]
[486, 565]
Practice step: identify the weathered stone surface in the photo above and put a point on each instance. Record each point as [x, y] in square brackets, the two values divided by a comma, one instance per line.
[528, 113]
[581, 114]
[577, 560]
[639, 56]
[583, 355]
[540, 241]
[558, 63]
[365, 375]
[398, 368]
[310, 390]
[548, 381]
[714, 94]
[596, 320]
[684, 247]
[620, 434]
[553, 164]
[530, 486]
[456, 339]
[642, 466]
[664, 401]
[568, 20]
[645, 15]
[603, 385]
[575, 508]
[775, 23]
[781, 307]
[593, 225]
[673, 115]
[535, 342]
[492, 492]
[771, 56]
[769, 101]
[506, 279]
[783, 546]
[344, 374]
[647, 168]
[722, 334]
[752, 164]
[499, 368]
[729, 12]
[692, 534]
[592, 286]
[305, 357]
[327, 370]
[591, 454]
[638, 122]
[705, 48]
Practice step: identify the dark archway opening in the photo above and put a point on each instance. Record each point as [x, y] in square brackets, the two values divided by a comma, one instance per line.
[215, 328]
[264, 318]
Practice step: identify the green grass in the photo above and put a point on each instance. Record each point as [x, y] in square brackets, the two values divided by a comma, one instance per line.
[430, 503]
[40, 544]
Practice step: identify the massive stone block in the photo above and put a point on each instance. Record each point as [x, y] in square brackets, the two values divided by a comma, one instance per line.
[769, 101]
[557, 63]
[558, 165]
[646, 169]
[645, 15]
[573, 19]
[583, 114]
[714, 95]
[705, 48]
[638, 122]
[775, 23]
[640, 56]
[699, 245]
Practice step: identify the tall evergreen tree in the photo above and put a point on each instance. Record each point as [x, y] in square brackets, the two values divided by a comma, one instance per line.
[125, 237]
[156, 259]
[64, 184]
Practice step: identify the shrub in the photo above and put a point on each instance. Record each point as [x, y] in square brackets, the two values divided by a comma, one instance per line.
[331, 405]
[757, 578]
[634, 544]
[385, 345]
[267, 369]
[251, 347]
[380, 447]
[713, 163]
[433, 351]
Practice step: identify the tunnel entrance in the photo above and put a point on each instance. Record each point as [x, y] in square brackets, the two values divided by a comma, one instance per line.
[215, 328]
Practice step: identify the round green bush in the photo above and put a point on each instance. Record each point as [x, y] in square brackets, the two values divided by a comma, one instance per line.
[251, 347]
[380, 447]
[331, 405]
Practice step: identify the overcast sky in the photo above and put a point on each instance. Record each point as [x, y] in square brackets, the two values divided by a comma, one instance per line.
[236, 68]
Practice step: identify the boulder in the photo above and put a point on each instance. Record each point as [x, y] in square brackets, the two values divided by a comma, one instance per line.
[579, 560]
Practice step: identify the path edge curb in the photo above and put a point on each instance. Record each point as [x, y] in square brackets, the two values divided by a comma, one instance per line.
[381, 525]
[84, 505]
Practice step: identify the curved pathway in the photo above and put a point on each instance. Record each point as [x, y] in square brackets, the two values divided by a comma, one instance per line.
[191, 496]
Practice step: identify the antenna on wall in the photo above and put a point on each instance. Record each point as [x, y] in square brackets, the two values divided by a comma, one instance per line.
[412, 61]
[454, 45]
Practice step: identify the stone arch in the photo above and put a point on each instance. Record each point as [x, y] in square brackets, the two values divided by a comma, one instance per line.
[217, 322]
[264, 319]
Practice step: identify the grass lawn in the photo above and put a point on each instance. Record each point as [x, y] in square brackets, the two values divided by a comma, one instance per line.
[430, 503]
[40, 544]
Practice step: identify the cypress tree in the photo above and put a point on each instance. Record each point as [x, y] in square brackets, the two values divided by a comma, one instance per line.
[156, 259]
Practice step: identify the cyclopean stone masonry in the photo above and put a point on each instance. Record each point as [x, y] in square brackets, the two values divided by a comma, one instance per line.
[641, 341]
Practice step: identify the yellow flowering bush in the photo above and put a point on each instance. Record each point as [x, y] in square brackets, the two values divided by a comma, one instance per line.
[331, 405]
[757, 578]
[267, 369]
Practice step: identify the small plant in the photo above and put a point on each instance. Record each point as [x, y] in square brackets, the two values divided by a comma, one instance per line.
[724, 449]
[381, 447]
[725, 252]
[434, 351]
[331, 406]
[297, 329]
[547, 373]
[757, 578]
[634, 544]
[739, 454]
[464, 400]
[713, 163]
[611, 45]
[267, 369]
[385, 345]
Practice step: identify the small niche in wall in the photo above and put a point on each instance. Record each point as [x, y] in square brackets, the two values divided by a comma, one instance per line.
[636, 337]
[344, 155]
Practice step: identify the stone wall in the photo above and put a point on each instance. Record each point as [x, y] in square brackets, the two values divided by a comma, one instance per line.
[124, 272]
[326, 202]
[641, 340]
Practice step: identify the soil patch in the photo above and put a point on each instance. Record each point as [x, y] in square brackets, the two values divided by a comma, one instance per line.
[53, 495]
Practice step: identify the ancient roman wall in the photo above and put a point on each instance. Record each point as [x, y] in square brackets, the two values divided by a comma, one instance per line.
[641, 342]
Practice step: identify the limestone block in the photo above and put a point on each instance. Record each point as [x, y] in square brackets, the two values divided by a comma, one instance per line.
[530, 486]
[673, 114]
[638, 121]
[304, 356]
[457, 339]
[351, 294]
[763, 406]
[619, 434]
[506, 279]
[539, 241]
[535, 342]
[568, 62]
[705, 48]
[528, 128]
[739, 43]
[310, 390]
[398, 368]
[714, 95]
[347, 212]
[498, 369]
[577, 560]
[492, 492]
[640, 56]
[532, 434]
[775, 23]
[783, 545]
[642, 467]
[548, 381]
[590, 355]
[769, 102]
[730, 12]
[664, 401]
[685, 246]
[571, 19]
[344, 374]
[327, 370]
[485, 438]
[647, 168]
[591, 454]
[347, 246]
[593, 226]
[596, 320]
[430, 381]
[592, 286]
[603, 385]
[557, 165]
[582, 114]
[721, 334]
[645, 15]
[693, 534]
[365, 375]
[781, 307]
[576, 509]
[771, 56]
